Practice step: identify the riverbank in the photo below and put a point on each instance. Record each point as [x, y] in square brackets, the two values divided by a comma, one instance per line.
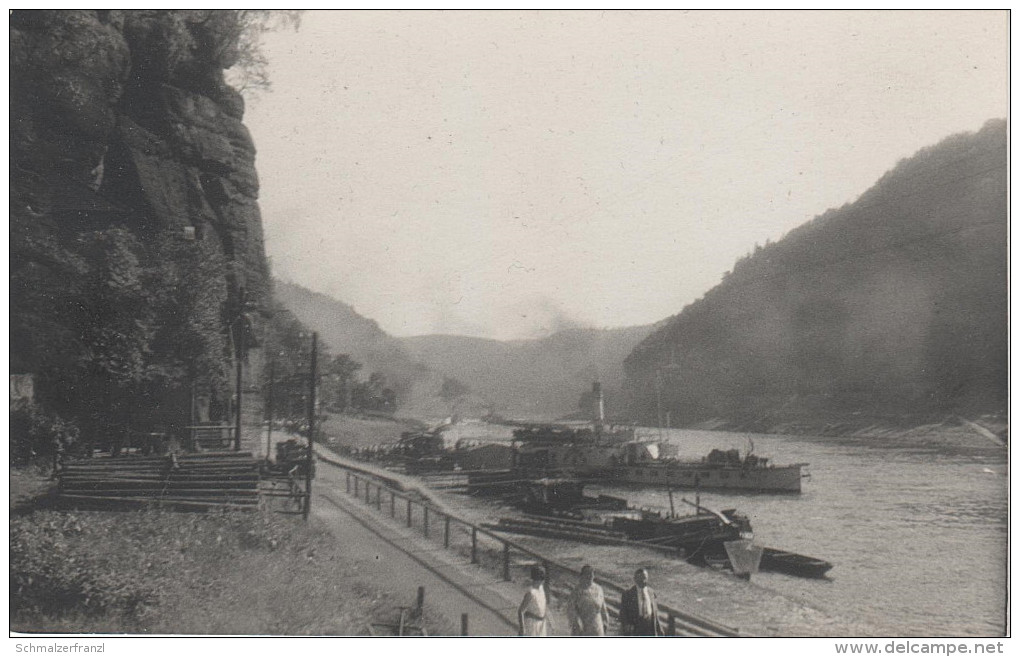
[158, 572]
[990, 427]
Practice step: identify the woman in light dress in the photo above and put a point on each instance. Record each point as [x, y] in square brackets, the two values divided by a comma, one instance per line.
[531, 615]
[587, 606]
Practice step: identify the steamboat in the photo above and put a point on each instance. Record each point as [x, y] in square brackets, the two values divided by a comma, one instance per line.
[607, 454]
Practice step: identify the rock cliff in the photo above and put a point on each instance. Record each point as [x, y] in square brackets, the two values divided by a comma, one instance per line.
[132, 182]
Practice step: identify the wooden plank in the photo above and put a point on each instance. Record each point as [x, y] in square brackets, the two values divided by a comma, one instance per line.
[162, 472]
[165, 498]
[205, 456]
[245, 478]
[104, 490]
[232, 481]
[221, 470]
[123, 501]
[233, 463]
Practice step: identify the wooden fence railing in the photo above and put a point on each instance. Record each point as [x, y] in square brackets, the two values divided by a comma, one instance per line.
[489, 548]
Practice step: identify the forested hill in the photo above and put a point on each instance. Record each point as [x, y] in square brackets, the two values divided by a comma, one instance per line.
[347, 332]
[891, 309]
[541, 378]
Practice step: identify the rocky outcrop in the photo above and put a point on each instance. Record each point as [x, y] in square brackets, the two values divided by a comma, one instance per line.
[121, 121]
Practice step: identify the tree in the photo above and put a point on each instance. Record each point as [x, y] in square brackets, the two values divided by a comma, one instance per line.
[249, 73]
[287, 343]
[115, 328]
[453, 390]
[190, 349]
[373, 395]
[341, 372]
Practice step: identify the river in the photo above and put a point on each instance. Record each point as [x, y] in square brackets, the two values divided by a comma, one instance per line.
[916, 528]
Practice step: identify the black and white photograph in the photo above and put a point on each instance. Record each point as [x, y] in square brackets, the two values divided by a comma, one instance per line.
[509, 323]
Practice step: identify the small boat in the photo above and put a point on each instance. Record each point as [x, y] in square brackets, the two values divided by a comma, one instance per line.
[697, 535]
[781, 561]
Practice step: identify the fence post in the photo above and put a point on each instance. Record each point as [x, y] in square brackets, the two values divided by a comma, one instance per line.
[506, 562]
[348, 482]
[378, 498]
[356, 486]
[425, 519]
[446, 531]
[474, 544]
[671, 625]
[408, 512]
[420, 603]
[463, 624]
[393, 504]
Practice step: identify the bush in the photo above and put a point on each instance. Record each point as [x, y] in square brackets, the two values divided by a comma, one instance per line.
[36, 435]
[123, 564]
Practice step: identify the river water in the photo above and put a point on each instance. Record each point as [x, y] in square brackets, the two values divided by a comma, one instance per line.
[916, 527]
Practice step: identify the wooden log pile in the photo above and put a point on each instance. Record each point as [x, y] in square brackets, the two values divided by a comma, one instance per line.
[222, 480]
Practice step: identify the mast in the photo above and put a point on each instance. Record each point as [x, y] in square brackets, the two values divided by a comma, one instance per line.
[670, 368]
[600, 408]
[658, 401]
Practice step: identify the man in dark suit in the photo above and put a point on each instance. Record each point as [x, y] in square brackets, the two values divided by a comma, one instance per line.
[639, 612]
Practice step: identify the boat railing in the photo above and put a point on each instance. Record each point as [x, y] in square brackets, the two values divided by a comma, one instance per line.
[488, 548]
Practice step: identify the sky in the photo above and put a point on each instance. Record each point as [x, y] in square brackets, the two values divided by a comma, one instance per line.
[508, 174]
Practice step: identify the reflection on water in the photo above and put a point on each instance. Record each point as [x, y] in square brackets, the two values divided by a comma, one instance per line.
[916, 528]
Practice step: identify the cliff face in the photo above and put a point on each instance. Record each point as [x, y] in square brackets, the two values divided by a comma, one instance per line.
[890, 310]
[134, 224]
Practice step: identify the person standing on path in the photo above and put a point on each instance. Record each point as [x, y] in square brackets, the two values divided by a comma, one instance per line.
[639, 612]
[587, 606]
[531, 615]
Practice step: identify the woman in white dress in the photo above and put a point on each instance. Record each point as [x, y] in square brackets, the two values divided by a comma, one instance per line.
[587, 606]
[531, 614]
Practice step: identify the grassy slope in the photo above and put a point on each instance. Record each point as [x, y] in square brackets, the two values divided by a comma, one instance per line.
[178, 573]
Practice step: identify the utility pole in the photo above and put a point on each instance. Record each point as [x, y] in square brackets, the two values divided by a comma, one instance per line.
[311, 425]
[269, 410]
[240, 343]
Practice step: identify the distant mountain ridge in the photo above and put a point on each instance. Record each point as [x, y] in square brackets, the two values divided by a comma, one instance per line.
[519, 378]
[539, 378]
[892, 308]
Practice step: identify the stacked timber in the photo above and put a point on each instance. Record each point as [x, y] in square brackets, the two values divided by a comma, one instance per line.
[227, 480]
